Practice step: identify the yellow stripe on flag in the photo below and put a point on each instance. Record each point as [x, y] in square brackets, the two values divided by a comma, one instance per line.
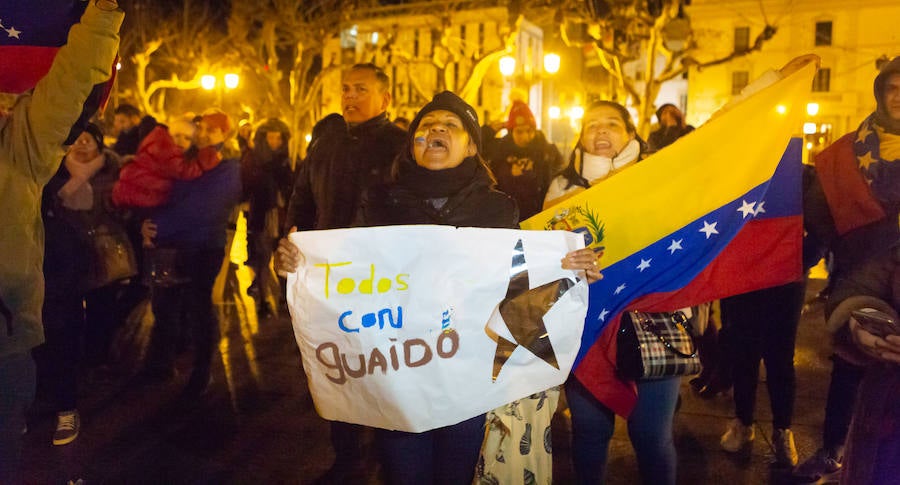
[735, 151]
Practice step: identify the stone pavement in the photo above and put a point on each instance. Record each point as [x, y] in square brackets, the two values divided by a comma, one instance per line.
[257, 424]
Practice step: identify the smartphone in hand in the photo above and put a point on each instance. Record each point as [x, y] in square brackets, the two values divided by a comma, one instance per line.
[876, 322]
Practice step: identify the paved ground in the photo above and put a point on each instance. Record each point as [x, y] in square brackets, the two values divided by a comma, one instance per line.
[258, 425]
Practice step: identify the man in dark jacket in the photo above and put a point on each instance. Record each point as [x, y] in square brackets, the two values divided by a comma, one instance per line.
[347, 155]
[125, 125]
[523, 161]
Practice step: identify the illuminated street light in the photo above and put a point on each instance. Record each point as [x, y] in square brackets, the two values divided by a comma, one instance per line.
[232, 80]
[809, 128]
[781, 109]
[551, 63]
[507, 65]
[576, 113]
[208, 82]
[812, 109]
[554, 112]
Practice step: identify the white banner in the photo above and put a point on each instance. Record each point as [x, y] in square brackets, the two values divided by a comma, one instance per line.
[417, 327]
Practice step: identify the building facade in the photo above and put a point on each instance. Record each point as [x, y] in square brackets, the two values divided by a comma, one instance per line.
[851, 38]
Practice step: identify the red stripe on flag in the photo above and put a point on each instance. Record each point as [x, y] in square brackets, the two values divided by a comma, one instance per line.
[763, 254]
[21, 67]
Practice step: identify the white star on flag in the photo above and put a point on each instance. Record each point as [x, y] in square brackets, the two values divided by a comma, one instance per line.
[603, 314]
[760, 209]
[709, 229]
[645, 263]
[12, 32]
[675, 246]
[746, 208]
[619, 289]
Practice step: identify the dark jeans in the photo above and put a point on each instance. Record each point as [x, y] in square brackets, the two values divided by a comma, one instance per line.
[346, 439]
[59, 358]
[845, 379]
[103, 315]
[186, 304]
[443, 456]
[649, 427]
[17, 385]
[763, 325]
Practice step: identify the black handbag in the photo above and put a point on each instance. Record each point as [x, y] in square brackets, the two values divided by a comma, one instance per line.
[655, 345]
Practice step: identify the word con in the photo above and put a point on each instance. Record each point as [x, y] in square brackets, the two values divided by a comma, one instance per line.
[367, 286]
[371, 319]
[416, 353]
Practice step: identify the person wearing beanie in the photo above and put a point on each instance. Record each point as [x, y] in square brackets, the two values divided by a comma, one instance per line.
[80, 281]
[671, 127]
[441, 178]
[853, 207]
[348, 153]
[523, 161]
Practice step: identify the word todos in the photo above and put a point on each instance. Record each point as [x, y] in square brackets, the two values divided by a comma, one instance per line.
[367, 286]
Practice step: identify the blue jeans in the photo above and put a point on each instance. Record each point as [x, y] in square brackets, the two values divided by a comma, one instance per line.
[443, 456]
[649, 427]
[17, 384]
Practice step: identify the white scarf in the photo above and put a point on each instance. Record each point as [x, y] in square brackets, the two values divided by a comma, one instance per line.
[77, 193]
[595, 168]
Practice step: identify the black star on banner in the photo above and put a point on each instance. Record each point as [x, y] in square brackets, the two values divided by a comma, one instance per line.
[523, 312]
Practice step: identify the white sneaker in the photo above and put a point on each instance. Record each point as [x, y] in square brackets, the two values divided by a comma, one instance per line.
[737, 436]
[785, 451]
[68, 424]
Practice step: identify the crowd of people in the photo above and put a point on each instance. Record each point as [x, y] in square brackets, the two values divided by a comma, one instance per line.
[147, 218]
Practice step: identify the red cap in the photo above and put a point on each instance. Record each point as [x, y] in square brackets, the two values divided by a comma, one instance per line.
[217, 119]
[520, 115]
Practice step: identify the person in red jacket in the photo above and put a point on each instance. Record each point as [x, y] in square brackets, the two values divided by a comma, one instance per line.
[146, 181]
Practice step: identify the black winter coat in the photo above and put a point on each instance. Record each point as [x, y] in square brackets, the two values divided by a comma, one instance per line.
[477, 204]
[341, 164]
[525, 173]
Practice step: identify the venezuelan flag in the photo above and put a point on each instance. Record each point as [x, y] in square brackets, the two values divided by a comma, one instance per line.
[715, 214]
[30, 35]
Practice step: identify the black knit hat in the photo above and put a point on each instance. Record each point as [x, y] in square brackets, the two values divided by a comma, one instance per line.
[454, 104]
[96, 134]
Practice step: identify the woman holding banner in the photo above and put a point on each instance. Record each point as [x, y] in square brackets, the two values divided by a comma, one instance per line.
[441, 179]
[608, 145]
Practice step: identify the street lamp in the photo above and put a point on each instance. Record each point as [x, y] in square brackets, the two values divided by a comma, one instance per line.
[229, 81]
[551, 63]
[812, 109]
[507, 65]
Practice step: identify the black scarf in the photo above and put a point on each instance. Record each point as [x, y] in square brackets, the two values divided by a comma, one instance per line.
[433, 184]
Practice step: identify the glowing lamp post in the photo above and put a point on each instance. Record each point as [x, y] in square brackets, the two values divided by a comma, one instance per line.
[229, 81]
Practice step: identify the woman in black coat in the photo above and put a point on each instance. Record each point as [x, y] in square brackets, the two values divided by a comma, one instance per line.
[441, 179]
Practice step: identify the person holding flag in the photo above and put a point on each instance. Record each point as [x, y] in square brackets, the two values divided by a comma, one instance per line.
[672, 246]
[853, 208]
[31, 148]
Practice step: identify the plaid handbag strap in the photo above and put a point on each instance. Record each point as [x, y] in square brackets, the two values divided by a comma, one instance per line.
[679, 319]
